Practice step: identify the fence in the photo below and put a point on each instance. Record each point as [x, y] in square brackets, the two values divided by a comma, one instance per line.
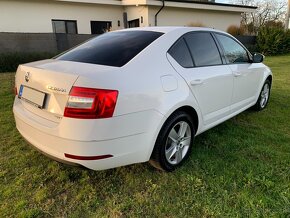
[249, 42]
[39, 42]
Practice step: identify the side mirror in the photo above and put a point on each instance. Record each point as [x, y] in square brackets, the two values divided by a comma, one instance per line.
[258, 58]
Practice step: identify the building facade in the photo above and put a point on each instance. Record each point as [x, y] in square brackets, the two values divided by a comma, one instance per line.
[97, 16]
[52, 26]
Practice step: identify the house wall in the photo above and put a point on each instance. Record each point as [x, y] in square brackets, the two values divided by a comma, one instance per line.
[36, 16]
[136, 12]
[183, 17]
[26, 26]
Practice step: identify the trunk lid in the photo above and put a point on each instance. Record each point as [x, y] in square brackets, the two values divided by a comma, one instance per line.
[43, 81]
[55, 78]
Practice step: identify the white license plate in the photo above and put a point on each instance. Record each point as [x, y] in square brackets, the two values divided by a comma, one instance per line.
[32, 96]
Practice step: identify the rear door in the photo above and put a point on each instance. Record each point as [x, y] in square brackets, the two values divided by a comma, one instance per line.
[211, 82]
[247, 75]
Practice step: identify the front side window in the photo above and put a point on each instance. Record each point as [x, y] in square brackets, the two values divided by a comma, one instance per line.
[64, 26]
[203, 49]
[111, 49]
[234, 52]
[180, 53]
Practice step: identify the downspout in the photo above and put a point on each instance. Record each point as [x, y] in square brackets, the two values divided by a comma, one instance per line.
[163, 4]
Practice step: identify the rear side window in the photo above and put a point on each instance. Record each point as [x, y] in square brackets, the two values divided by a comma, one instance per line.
[111, 49]
[180, 53]
[234, 52]
[203, 49]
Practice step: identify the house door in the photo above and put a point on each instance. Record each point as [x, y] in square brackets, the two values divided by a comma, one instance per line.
[134, 23]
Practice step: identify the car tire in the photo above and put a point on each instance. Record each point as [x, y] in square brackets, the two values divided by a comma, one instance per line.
[263, 97]
[174, 142]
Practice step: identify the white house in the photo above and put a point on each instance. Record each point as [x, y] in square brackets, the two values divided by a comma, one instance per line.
[97, 16]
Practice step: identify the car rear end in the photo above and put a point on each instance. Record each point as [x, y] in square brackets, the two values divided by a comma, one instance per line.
[75, 112]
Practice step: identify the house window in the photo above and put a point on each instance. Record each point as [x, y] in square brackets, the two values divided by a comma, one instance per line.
[64, 26]
[134, 23]
[99, 27]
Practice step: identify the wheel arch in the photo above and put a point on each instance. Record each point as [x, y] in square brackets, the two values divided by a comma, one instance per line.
[270, 78]
[191, 112]
[186, 109]
[267, 75]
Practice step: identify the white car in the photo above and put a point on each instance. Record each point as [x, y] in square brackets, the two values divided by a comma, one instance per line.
[137, 95]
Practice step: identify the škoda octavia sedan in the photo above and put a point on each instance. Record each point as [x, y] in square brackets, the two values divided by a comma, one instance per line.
[137, 95]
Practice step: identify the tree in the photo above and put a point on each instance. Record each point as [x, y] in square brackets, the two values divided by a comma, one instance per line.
[269, 12]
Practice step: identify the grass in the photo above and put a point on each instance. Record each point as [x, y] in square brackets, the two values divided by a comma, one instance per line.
[240, 168]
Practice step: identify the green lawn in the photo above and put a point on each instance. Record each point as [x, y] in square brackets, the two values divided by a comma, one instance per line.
[240, 168]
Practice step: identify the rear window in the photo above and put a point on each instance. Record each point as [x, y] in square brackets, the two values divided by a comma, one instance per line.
[111, 49]
[203, 49]
[180, 53]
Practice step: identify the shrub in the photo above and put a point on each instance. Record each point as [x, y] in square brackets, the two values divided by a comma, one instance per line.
[236, 30]
[196, 24]
[273, 41]
[10, 61]
[274, 24]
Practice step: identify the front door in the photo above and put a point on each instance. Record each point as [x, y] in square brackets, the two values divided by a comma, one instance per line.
[247, 75]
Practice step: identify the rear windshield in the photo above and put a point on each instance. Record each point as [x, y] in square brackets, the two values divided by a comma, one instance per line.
[111, 49]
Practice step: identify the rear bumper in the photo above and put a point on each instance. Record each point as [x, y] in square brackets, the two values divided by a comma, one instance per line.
[54, 158]
[122, 150]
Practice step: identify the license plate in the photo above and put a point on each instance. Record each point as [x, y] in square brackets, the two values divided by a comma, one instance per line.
[32, 96]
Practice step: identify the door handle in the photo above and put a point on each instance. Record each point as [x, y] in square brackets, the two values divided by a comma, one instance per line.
[196, 82]
[236, 74]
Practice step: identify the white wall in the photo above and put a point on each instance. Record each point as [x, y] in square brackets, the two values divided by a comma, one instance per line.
[136, 12]
[183, 17]
[35, 17]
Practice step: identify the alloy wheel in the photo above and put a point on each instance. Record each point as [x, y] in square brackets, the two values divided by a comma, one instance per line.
[265, 95]
[178, 142]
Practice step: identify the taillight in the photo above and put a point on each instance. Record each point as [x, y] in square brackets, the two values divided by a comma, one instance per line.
[88, 103]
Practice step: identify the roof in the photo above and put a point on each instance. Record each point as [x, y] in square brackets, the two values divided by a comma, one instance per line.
[167, 29]
[212, 3]
[190, 4]
[196, 5]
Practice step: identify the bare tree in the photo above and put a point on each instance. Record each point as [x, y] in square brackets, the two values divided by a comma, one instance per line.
[268, 12]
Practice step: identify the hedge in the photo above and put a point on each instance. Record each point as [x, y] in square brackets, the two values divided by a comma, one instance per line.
[273, 41]
[10, 61]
